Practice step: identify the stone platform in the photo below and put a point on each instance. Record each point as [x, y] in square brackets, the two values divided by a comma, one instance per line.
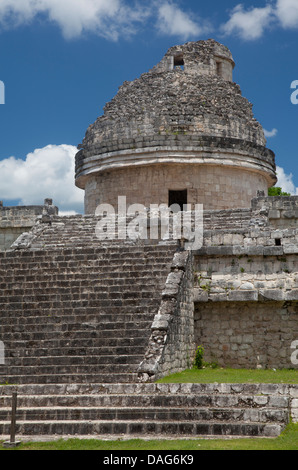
[148, 411]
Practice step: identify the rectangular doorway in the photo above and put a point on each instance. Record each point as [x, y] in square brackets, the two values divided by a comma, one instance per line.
[178, 197]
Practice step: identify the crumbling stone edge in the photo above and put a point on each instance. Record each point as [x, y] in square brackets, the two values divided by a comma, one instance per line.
[25, 240]
[171, 344]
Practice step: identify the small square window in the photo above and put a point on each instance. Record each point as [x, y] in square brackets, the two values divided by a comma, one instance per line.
[179, 61]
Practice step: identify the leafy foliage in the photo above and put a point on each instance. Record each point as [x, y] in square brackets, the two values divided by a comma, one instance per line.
[276, 191]
[198, 361]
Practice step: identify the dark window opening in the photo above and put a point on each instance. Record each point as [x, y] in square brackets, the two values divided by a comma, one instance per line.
[179, 198]
[219, 68]
[178, 61]
[277, 242]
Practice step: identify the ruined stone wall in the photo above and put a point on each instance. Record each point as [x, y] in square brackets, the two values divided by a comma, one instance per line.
[200, 58]
[247, 334]
[165, 104]
[15, 220]
[216, 187]
[281, 211]
[246, 286]
[171, 345]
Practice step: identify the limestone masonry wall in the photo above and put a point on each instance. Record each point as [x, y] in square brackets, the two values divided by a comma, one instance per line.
[213, 186]
[246, 286]
[15, 220]
[247, 334]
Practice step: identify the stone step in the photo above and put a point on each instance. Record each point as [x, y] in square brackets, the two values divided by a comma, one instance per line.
[43, 294]
[60, 360]
[105, 307]
[105, 273]
[103, 266]
[70, 378]
[67, 367]
[114, 410]
[59, 326]
[212, 406]
[273, 403]
[261, 390]
[135, 312]
[90, 320]
[50, 334]
[101, 428]
[109, 373]
[81, 350]
[140, 395]
[63, 413]
[75, 343]
[94, 253]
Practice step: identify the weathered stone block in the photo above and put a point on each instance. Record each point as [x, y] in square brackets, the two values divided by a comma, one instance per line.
[274, 214]
[200, 295]
[243, 296]
[292, 295]
[290, 249]
[271, 294]
[273, 250]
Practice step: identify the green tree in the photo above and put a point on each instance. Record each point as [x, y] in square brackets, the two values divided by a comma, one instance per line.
[276, 191]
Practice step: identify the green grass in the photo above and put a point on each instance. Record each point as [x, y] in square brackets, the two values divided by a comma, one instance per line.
[209, 375]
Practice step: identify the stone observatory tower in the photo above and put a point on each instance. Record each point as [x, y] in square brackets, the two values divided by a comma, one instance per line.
[181, 133]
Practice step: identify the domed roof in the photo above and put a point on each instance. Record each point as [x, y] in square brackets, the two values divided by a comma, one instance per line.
[188, 100]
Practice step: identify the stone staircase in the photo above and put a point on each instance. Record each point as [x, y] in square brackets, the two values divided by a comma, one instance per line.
[81, 230]
[115, 411]
[88, 230]
[219, 220]
[76, 318]
[79, 314]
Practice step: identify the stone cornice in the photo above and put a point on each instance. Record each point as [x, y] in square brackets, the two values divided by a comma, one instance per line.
[248, 157]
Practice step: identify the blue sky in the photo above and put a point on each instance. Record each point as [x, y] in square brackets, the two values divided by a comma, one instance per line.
[62, 60]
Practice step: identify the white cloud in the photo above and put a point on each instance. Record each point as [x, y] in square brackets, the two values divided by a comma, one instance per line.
[113, 19]
[287, 13]
[285, 181]
[107, 18]
[15, 12]
[250, 24]
[45, 173]
[269, 134]
[175, 22]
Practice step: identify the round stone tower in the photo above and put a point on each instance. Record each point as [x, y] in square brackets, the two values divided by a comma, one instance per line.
[181, 133]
